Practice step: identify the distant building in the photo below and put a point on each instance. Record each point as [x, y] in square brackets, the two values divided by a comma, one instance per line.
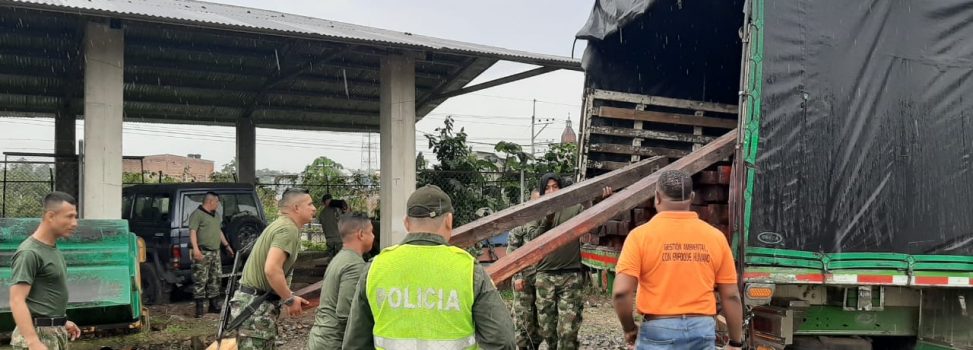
[491, 157]
[191, 168]
[568, 135]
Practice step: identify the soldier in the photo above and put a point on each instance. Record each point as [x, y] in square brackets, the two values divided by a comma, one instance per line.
[560, 299]
[340, 280]
[206, 238]
[328, 218]
[525, 312]
[39, 291]
[266, 275]
[426, 294]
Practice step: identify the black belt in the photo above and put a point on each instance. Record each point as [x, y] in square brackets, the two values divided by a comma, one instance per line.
[271, 297]
[209, 250]
[50, 321]
[562, 271]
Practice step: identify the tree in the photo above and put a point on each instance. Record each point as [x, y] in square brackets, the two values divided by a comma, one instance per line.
[26, 186]
[560, 158]
[323, 176]
[227, 174]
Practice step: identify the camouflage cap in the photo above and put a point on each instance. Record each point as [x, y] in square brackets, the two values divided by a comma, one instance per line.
[428, 201]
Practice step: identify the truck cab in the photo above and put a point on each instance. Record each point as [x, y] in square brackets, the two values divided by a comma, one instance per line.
[159, 214]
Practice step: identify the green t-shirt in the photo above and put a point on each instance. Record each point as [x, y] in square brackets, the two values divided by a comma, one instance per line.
[329, 223]
[568, 257]
[337, 290]
[207, 229]
[43, 268]
[283, 234]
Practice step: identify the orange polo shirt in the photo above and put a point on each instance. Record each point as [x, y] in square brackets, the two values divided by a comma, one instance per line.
[678, 260]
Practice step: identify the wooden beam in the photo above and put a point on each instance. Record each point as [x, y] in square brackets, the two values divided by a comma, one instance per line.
[590, 219]
[663, 117]
[606, 165]
[506, 219]
[650, 134]
[495, 82]
[641, 151]
[664, 101]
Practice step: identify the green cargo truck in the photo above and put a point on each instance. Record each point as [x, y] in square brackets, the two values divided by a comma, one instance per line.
[103, 281]
[848, 202]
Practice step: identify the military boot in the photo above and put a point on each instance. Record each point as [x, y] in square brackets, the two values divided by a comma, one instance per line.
[199, 308]
[214, 308]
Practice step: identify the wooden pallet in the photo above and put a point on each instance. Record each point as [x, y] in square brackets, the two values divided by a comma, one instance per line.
[621, 128]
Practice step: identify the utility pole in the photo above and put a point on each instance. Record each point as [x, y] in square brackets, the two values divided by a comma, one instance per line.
[533, 136]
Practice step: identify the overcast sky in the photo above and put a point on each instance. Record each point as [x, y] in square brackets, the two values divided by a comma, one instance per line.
[491, 115]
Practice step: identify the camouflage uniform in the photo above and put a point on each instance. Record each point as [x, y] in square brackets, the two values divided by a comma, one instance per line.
[559, 318]
[259, 331]
[206, 275]
[525, 313]
[55, 338]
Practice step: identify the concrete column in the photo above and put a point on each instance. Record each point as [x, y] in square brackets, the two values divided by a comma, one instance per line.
[65, 153]
[104, 51]
[246, 151]
[397, 113]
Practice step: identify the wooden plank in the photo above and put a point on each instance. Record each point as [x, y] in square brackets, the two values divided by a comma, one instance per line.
[642, 151]
[606, 165]
[489, 226]
[664, 117]
[664, 101]
[588, 220]
[651, 134]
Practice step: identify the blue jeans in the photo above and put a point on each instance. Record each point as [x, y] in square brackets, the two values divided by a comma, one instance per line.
[689, 333]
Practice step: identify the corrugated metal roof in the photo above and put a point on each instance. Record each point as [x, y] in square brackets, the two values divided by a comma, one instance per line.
[271, 22]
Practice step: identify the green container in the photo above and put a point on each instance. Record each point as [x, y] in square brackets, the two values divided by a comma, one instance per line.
[102, 258]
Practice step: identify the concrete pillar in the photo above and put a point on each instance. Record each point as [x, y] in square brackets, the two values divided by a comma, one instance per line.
[65, 153]
[397, 113]
[246, 151]
[104, 57]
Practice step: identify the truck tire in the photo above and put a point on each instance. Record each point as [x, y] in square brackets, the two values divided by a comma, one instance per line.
[153, 287]
[243, 230]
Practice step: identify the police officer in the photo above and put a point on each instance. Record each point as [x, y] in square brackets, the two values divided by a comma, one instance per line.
[266, 275]
[206, 237]
[39, 291]
[425, 294]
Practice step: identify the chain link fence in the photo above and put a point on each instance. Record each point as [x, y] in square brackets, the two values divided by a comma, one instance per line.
[25, 182]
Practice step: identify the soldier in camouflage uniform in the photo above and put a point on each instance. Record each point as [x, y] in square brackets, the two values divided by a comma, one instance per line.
[206, 236]
[525, 312]
[267, 274]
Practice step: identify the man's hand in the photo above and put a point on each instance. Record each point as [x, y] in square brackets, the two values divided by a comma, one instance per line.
[296, 308]
[73, 331]
[606, 192]
[229, 250]
[631, 336]
[36, 345]
[519, 285]
[197, 255]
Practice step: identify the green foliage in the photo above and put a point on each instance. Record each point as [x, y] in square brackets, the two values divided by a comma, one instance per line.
[26, 187]
[559, 159]
[268, 199]
[323, 176]
[227, 174]
[147, 178]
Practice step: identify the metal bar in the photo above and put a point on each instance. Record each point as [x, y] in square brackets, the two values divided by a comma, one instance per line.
[495, 82]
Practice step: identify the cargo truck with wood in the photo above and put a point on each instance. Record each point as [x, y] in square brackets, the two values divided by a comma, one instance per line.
[829, 140]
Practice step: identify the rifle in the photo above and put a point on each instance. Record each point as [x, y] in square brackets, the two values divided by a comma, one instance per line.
[231, 286]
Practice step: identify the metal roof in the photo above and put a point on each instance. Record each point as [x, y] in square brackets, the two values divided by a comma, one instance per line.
[203, 63]
[207, 14]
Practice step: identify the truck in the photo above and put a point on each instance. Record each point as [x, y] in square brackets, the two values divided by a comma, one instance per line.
[159, 215]
[847, 200]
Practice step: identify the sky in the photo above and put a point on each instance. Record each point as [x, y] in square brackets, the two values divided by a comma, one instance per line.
[500, 113]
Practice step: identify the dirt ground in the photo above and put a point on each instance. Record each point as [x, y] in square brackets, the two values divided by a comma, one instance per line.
[173, 327]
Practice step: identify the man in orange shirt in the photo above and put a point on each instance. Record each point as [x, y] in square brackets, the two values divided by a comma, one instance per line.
[676, 260]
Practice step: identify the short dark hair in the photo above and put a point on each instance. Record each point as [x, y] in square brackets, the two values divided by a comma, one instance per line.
[212, 194]
[675, 185]
[290, 194]
[52, 201]
[350, 223]
[326, 197]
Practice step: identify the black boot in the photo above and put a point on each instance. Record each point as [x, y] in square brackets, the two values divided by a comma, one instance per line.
[214, 308]
[199, 308]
